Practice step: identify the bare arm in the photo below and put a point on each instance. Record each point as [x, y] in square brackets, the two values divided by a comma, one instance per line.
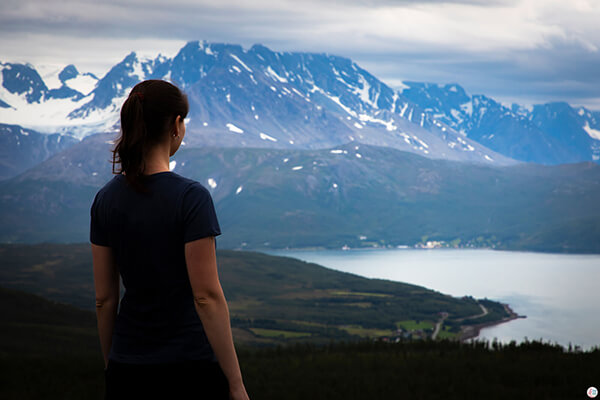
[106, 282]
[212, 308]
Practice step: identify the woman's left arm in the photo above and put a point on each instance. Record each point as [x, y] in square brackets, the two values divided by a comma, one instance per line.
[106, 282]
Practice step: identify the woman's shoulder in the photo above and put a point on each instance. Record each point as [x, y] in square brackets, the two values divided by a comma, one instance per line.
[183, 181]
[188, 183]
[110, 184]
[195, 189]
[189, 189]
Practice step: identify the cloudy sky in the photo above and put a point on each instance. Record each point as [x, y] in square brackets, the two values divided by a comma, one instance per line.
[525, 51]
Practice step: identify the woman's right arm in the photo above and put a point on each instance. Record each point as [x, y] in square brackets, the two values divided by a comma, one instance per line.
[210, 303]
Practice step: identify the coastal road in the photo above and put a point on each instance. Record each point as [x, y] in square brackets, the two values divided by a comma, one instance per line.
[438, 325]
[484, 312]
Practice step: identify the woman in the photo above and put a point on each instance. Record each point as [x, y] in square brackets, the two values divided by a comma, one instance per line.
[156, 229]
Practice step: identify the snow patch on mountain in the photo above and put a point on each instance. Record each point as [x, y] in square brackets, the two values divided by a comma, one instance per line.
[236, 58]
[364, 92]
[83, 83]
[49, 74]
[274, 75]
[594, 133]
[264, 136]
[234, 128]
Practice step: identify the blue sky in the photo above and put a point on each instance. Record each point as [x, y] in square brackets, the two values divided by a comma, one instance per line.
[525, 51]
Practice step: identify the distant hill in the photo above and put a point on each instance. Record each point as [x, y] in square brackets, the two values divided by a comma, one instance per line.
[353, 195]
[271, 298]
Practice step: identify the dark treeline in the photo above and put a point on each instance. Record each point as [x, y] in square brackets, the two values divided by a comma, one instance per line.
[415, 369]
[421, 369]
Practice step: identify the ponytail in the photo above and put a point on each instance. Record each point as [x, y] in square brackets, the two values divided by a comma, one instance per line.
[146, 118]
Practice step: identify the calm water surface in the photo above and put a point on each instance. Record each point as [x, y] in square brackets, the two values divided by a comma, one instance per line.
[557, 292]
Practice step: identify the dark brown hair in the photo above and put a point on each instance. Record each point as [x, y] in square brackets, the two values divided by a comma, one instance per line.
[147, 117]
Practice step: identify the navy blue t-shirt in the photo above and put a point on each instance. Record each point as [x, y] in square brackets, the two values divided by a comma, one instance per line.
[157, 320]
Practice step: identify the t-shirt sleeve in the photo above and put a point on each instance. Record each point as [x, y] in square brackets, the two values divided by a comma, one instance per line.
[199, 215]
[98, 232]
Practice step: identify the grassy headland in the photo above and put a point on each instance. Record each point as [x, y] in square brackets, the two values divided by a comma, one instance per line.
[272, 299]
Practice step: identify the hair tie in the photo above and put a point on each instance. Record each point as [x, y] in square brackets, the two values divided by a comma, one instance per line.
[139, 95]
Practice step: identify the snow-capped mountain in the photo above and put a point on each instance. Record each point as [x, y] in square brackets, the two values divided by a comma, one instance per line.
[550, 133]
[252, 98]
[260, 98]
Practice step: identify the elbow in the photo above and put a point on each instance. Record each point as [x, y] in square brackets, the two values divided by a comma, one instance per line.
[105, 302]
[203, 300]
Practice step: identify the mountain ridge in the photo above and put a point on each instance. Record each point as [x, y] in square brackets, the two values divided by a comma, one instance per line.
[260, 98]
[550, 133]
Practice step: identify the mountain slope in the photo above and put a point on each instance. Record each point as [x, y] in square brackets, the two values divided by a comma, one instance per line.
[355, 195]
[21, 149]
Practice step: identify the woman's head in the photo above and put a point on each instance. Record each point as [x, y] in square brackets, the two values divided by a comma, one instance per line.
[149, 117]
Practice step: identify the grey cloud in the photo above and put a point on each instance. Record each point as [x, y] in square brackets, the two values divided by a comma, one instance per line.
[563, 73]
[391, 3]
[563, 69]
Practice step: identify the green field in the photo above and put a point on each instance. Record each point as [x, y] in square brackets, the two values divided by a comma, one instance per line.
[445, 333]
[276, 333]
[360, 294]
[366, 332]
[412, 325]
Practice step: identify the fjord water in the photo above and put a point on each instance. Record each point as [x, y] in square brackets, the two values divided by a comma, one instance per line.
[557, 292]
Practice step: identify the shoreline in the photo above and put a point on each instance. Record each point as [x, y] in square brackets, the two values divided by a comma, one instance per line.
[268, 250]
[472, 331]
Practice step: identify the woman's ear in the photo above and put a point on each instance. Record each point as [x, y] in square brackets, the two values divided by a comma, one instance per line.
[177, 127]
